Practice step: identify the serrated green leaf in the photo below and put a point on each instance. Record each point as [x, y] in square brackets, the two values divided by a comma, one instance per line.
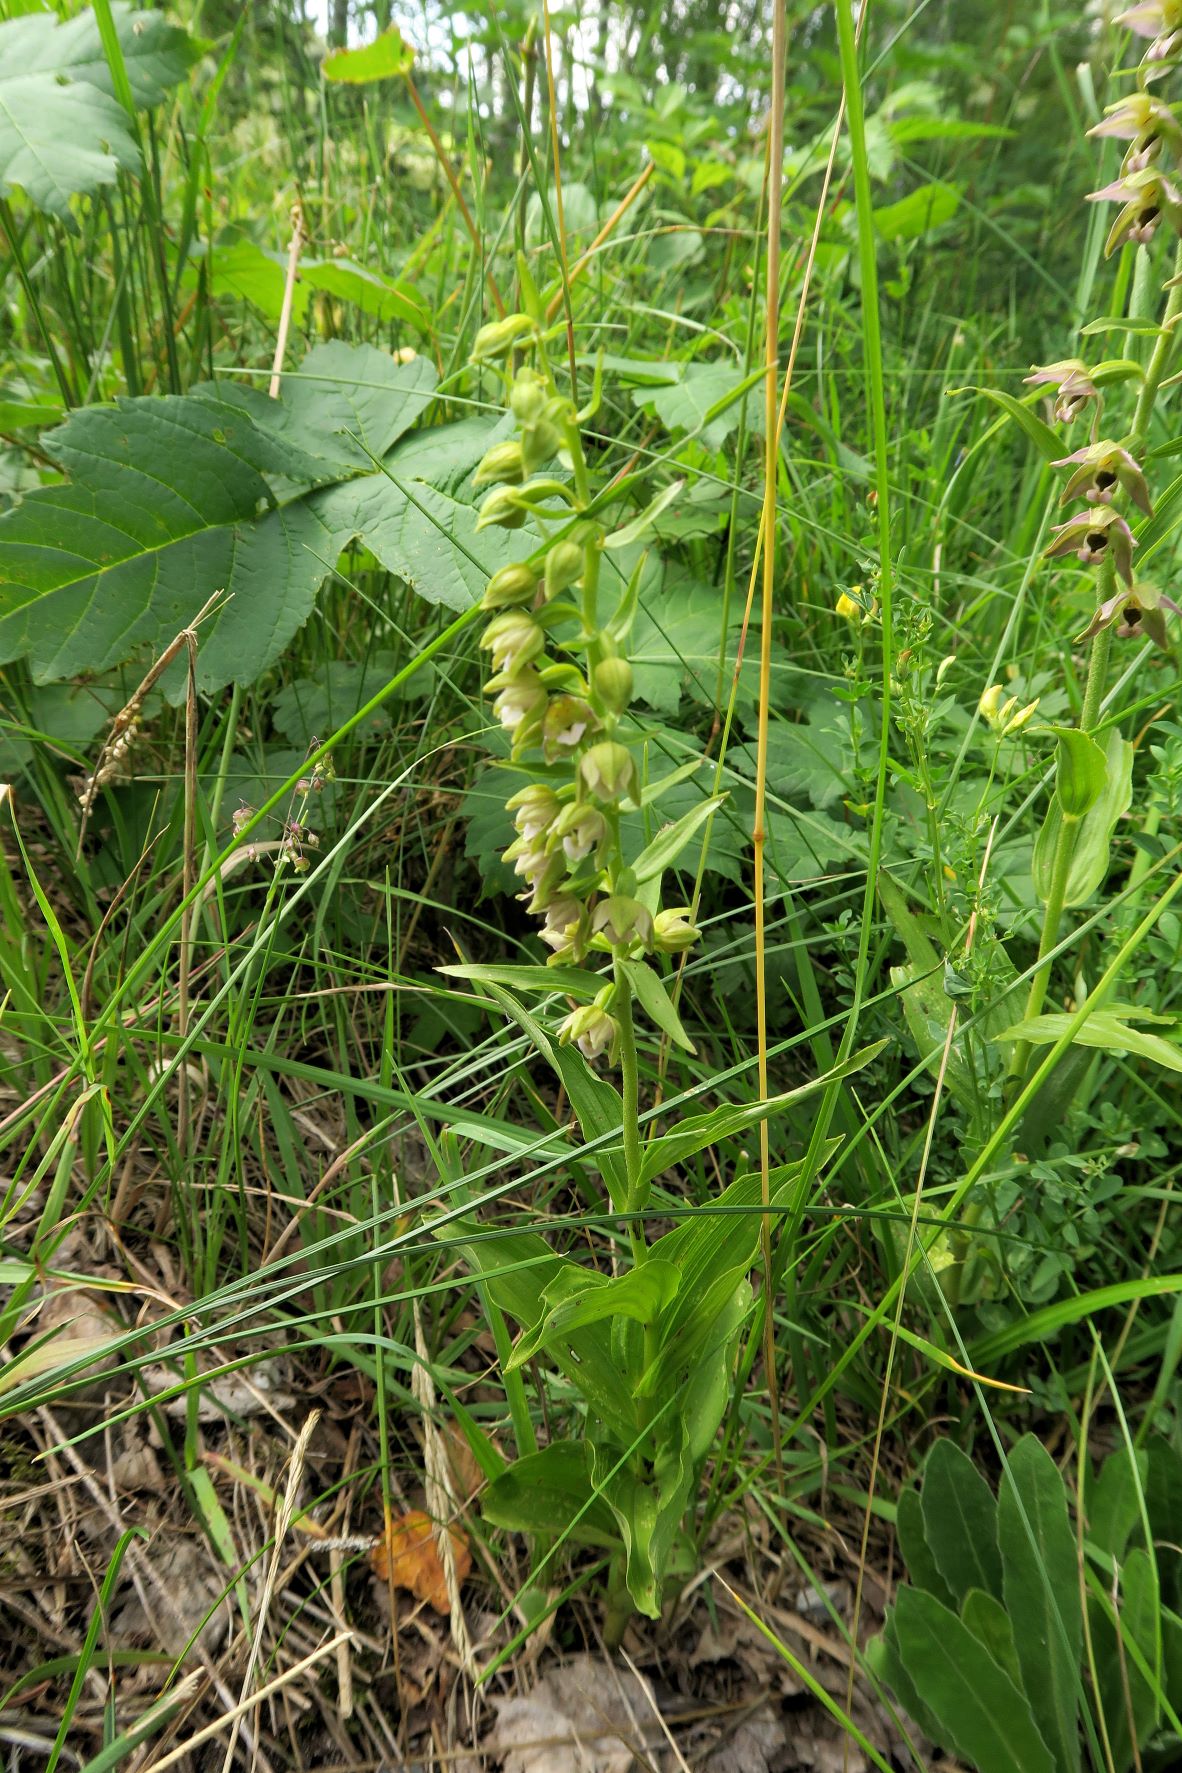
[62, 130]
[980, 1714]
[960, 1522]
[172, 498]
[383, 59]
[922, 210]
[311, 707]
[1041, 1593]
[705, 400]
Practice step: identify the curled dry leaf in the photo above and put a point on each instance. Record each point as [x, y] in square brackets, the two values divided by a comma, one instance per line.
[409, 1558]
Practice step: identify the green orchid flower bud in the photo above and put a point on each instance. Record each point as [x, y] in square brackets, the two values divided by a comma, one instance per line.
[622, 921]
[520, 707]
[564, 567]
[612, 679]
[674, 930]
[515, 641]
[502, 506]
[565, 929]
[504, 462]
[568, 721]
[583, 830]
[527, 398]
[607, 770]
[534, 809]
[539, 441]
[592, 1030]
[510, 585]
[498, 338]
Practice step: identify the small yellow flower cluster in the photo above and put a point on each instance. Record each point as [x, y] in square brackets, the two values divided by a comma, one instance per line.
[1004, 717]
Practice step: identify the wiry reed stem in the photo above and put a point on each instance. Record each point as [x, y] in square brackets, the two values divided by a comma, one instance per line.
[775, 179]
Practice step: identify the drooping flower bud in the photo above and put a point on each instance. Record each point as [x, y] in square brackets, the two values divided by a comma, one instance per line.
[582, 829]
[498, 338]
[612, 679]
[515, 641]
[520, 706]
[510, 585]
[591, 1029]
[607, 770]
[1073, 384]
[527, 399]
[534, 809]
[501, 506]
[503, 463]
[622, 921]
[565, 928]
[674, 930]
[568, 721]
[564, 567]
[539, 441]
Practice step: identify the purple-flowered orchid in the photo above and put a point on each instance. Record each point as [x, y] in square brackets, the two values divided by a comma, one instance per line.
[1161, 22]
[1147, 198]
[1094, 536]
[1135, 610]
[1072, 382]
[1147, 124]
[1100, 468]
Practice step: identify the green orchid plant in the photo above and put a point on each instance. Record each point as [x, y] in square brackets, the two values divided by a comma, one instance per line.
[644, 1340]
[1113, 521]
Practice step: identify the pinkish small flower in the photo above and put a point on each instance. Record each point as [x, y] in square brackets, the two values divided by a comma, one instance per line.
[1161, 22]
[1138, 610]
[1099, 469]
[1148, 125]
[1146, 198]
[1073, 385]
[1094, 535]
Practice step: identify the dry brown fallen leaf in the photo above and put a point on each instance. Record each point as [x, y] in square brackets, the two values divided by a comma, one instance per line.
[409, 1558]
